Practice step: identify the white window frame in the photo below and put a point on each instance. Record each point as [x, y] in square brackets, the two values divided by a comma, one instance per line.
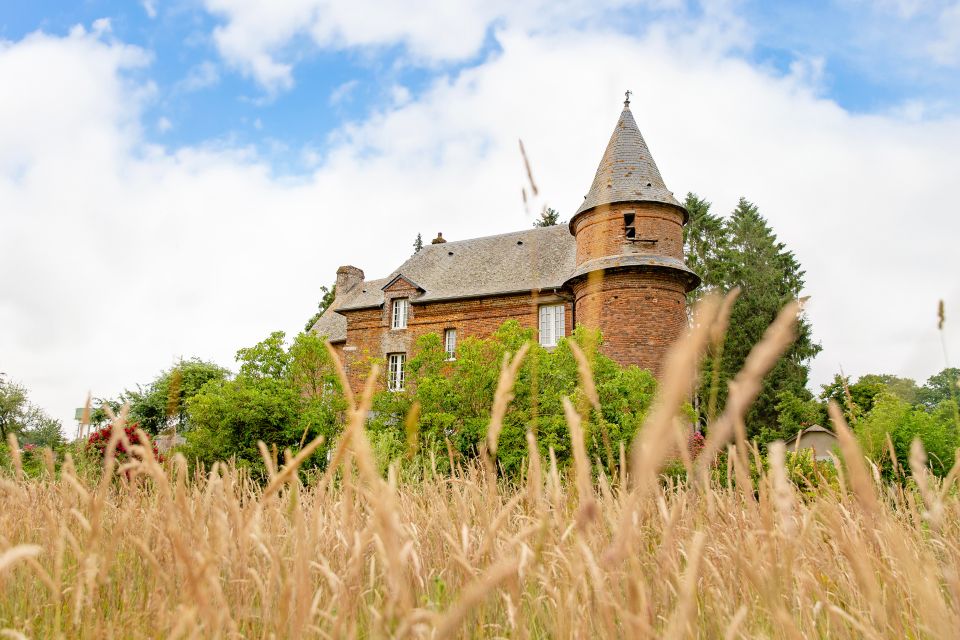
[395, 371]
[552, 319]
[401, 311]
[450, 343]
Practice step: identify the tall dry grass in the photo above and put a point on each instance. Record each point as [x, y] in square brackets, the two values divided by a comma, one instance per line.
[159, 550]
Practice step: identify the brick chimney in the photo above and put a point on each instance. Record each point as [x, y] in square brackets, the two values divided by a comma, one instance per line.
[348, 277]
[438, 240]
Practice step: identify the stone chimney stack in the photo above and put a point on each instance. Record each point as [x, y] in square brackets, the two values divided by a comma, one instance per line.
[348, 277]
[438, 240]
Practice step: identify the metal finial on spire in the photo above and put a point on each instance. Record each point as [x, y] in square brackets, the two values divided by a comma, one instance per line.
[627, 93]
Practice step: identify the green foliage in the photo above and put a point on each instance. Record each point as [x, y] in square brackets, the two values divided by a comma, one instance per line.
[794, 413]
[863, 392]
[282, 395]
[808, 474]
[548, 218]
[891, 416]
[19, 417]
[939, 388]
[45, 432]
[742, 251]
[325, 301]
[456, 397]
[418, 244]
[14, 408]
[163, 403]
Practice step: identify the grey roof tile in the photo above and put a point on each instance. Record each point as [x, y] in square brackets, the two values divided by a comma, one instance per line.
[627, 172]
[538, 258]
[639, 260]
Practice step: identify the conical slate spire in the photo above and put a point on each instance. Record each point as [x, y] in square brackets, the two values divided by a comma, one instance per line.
[627, 172]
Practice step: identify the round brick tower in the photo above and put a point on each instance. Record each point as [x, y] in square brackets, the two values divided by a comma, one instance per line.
[630, 279]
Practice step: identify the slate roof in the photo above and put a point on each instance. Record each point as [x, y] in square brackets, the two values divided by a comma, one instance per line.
[815, 428]
[627, 172]
[538, 258]
[638, 260]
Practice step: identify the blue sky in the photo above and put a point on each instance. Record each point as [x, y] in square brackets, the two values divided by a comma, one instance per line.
[869, 57]
[179, 178]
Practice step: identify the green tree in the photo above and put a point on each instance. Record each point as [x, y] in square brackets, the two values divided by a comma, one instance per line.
[44, 431]
[940, 387]
[742, 251]
[895, 418]
[163, 402]
[282, 395]
[19, 417]
[418, 244]
[328, 297]
[705, 247]
[14, 408]
[548, 218]
[865, 390]
[794, 413]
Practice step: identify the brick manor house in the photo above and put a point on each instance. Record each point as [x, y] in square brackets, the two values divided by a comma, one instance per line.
[617, 266]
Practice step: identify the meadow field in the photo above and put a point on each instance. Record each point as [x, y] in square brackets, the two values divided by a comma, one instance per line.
[144, 548]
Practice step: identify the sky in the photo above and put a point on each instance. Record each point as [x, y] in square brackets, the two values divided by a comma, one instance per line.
[180, 178]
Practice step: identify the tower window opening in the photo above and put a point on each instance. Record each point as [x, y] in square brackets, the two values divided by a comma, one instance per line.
[629, 227]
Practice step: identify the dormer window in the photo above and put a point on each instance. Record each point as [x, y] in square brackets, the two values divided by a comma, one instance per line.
[401, 309]
[629, 226]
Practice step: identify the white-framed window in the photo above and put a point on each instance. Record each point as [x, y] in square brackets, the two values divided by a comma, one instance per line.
[401, 309]
[395, 362]
[450, 343]
[551, 324]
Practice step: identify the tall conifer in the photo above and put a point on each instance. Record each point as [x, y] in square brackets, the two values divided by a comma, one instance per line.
[743, 251]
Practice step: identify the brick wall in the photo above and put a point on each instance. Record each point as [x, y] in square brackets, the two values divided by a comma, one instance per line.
[640, 313]
[369, 334]
[600, 231]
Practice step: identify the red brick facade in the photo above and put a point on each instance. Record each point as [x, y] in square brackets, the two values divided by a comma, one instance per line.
[369, 334]
[640, 311]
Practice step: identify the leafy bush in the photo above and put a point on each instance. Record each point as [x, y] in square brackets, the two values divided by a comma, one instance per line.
[283, 395]
[455, 397]
[893, 417]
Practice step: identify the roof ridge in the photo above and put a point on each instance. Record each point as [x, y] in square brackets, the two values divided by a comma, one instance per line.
[495, 235]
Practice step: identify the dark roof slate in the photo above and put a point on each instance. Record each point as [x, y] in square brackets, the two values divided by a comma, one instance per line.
[538, 258]
[627, 172]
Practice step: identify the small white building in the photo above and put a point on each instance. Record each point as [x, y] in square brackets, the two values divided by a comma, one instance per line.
[815, 437]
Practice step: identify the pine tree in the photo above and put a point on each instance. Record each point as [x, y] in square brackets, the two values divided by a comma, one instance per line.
[742, 251]
[418, 244]
[548, 218]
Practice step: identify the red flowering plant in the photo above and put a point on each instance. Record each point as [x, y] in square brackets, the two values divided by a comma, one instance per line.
[99, 440]
[675, 468]
[695, 442]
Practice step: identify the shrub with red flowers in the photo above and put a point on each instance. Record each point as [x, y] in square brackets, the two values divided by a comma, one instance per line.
[695, 443]
[98, 441]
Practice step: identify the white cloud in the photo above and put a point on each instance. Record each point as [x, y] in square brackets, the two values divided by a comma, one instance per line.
[102, 26]
[164, 125]
[203, 75]
[150, 7]
[123, 255]
[946, 47]
[343, 92]
[256, 34]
